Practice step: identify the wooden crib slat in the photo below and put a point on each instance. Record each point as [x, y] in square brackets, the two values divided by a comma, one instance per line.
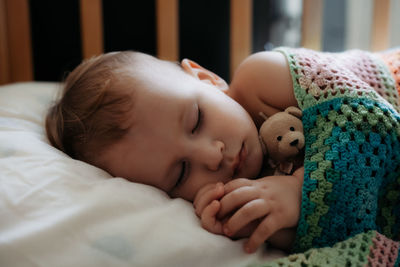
[380, 25]
[241, 24]
[311, 29]
[4, 59]
[19, 40]
[91, 27]
[167, 16]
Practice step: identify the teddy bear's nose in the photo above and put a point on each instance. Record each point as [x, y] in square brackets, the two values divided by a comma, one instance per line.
[294, 143]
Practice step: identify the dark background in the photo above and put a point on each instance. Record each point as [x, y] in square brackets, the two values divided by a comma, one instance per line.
[204, 33]
[130, 25]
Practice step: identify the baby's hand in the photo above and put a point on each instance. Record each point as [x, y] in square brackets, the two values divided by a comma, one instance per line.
[207, 206]
[274, 201]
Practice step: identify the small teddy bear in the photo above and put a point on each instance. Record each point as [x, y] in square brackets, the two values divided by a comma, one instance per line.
[282, 139]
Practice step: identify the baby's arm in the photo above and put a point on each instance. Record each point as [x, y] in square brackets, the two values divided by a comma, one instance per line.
[262, 82]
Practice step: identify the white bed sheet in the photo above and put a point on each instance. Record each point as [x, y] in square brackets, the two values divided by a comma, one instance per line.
[56, 211]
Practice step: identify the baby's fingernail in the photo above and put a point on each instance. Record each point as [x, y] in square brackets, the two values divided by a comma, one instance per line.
[247, 249]
[226, 231]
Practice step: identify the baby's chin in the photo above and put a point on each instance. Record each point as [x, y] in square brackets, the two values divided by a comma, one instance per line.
[259, 169]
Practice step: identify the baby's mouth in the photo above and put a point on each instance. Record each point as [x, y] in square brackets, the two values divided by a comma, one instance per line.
[239, 160]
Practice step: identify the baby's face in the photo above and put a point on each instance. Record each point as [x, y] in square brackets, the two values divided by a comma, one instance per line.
[185, 134]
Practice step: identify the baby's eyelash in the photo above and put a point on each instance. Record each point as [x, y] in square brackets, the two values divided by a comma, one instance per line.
[199, 120]
[183, 174]
[185, 169]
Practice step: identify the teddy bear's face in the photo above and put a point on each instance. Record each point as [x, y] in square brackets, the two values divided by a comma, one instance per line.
[282, 136]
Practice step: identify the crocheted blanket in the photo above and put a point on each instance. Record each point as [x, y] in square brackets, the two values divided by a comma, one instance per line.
[350, 211]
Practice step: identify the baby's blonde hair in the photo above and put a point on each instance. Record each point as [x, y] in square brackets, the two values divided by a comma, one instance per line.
[93, 111]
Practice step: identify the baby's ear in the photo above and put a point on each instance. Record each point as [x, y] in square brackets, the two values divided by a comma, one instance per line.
[203, 74]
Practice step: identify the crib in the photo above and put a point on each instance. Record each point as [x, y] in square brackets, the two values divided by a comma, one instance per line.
[56, 211]
[16, 60]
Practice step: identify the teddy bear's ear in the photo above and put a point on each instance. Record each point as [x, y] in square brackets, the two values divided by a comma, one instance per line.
[262, 114]
[294, 111]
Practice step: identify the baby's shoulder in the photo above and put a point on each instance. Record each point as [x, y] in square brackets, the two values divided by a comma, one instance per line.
[262, 82]
[269, 60]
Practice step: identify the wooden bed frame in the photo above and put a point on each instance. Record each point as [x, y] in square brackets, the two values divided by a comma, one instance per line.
[16, 62]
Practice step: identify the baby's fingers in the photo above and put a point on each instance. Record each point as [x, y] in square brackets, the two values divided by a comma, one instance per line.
[236, 183]
[236, 199]
[206, 196]
[264, 230]
[209, 218]
[201, 192]
[251, 211]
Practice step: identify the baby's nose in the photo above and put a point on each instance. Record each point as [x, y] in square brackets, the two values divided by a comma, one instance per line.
[212, 155]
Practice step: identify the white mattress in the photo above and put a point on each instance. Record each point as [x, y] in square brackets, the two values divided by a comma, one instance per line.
[56, 211]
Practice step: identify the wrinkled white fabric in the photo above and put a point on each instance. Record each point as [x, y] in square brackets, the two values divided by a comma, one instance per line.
[56, 211]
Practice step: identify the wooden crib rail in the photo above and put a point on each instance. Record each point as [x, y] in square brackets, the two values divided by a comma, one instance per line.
[311, 24]
[167, 16]
[16, 63]
[91, 27]
[240, 32]
[380, 25]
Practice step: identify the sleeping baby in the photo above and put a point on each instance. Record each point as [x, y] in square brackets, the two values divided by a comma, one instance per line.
[181, 128]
